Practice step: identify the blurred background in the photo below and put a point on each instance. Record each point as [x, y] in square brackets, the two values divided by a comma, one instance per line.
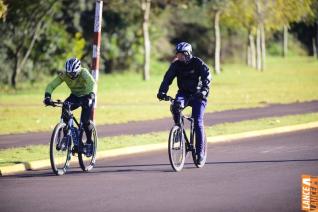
[37, 36]
[260, 52]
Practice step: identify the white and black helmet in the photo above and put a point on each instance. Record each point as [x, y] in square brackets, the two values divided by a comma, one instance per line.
[184, 48]
[73, 67]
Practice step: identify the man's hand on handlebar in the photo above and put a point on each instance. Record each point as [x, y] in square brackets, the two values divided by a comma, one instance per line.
[48, 101]
[163, 96]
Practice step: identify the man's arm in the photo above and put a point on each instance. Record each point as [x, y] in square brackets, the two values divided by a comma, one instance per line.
[91, 83]
[206, 78]
[168, 78]
[52, 85]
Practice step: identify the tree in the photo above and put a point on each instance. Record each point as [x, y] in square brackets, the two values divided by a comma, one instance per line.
[25, 22]
[145, 7]
[261, 8]
[311, 19]
[287, 12]
[240, 15]
[217, 42]
[217, 7]
[36, 40]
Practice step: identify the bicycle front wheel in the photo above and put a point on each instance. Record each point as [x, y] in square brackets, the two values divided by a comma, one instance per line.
[87, 153]
[60, 149]
[176, 148]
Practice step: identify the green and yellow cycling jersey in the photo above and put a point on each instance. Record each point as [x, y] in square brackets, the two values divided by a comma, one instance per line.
[82, 85]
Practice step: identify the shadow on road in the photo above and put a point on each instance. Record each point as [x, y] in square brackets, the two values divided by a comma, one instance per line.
[163, 167]
[260, 161]
[98, 169]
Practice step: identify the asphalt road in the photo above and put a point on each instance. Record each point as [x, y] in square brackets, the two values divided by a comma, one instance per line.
[140, 127]
[259, 174]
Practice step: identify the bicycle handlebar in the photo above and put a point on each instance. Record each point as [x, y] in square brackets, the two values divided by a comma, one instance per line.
[59, 103]
[168, 98]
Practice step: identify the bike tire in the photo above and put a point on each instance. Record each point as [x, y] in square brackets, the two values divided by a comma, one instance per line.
[59, 158]
[194, 155]
[88, 163]
[176, 148]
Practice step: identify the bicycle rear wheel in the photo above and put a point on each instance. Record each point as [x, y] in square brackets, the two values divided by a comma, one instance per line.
[60, 150]
[176, 148]
[194, 155]
[87, 157]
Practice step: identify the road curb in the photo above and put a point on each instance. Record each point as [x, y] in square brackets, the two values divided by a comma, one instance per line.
[258, 133]
[35, 165]
[8, 170]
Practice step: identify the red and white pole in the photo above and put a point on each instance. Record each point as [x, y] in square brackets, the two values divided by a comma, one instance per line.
[96, 47]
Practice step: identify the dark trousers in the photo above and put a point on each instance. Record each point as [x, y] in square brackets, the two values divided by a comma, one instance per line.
[86, 111]
[198, 108]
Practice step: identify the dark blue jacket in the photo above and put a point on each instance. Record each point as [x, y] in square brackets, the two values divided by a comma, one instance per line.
[192, 77]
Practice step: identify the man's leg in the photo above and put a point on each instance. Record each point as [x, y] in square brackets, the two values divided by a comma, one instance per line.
[198, 108]
[72, 99]
[177, 107]
[85, 117]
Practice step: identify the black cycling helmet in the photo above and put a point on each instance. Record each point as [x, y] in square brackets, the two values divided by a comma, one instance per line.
[186, 49]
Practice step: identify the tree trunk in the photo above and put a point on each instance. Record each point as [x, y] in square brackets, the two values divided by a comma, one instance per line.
[263, 47]
[145, 5]
[248, 53]
[314, 47]
[285, 41]
[18, 65]
[248, 56]
[253, 53]
[258, 49]
[16, 71]
[217, 51]
[316, 40]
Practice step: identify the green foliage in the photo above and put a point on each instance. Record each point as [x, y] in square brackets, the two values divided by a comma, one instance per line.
[53, 30]
[3, 10]
[35, 26]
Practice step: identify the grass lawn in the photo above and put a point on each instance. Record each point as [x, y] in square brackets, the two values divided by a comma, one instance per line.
[38, 152]
[125, 97]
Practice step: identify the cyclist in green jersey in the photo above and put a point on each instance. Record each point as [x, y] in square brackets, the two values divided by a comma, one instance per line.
[83, 89]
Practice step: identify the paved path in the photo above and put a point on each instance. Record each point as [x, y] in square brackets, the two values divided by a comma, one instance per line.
[141, 127]
[259, 174]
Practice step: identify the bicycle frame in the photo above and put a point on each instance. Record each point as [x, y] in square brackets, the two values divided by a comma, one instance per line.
[189, 143]
[70, 124]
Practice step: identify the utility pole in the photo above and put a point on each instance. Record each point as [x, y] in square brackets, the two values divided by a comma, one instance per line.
[96, 47]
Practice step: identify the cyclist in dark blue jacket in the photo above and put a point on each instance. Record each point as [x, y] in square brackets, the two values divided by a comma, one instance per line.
[193, 79]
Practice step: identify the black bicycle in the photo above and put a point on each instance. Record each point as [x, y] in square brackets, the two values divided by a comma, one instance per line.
[179, 145]
[69, 139]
